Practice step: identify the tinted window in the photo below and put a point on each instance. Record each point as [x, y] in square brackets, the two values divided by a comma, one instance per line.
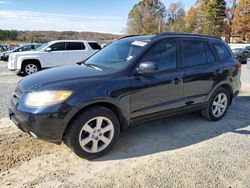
[194, 53]
[222, 51]
[210, 55]
[163, 53]
[75, 46]
[94, 46]
[58, 46]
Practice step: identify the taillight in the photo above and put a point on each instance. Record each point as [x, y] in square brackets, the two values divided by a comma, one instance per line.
[238, 66]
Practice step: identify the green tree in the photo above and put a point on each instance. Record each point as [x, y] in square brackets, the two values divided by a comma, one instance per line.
[146, 17]
[175, 17]
[241, 20]
[214, 16]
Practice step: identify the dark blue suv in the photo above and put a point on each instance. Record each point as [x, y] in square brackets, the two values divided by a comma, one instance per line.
[133, 79]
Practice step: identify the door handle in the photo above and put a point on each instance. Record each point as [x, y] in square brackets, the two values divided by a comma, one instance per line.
[177, 80]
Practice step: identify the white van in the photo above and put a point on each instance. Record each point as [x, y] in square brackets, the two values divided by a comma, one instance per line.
[52, 54]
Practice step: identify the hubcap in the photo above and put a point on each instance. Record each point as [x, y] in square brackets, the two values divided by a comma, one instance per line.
[31, 68]
[96, 134]
[219, 105]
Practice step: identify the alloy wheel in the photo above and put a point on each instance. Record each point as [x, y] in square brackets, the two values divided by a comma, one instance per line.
[30, 69]
[219, 105]
[96, 134]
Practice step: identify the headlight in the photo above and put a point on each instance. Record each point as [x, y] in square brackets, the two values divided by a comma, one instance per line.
[46, 98]
[13, 57]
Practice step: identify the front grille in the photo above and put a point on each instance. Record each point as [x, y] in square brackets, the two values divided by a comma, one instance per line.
[16, 96]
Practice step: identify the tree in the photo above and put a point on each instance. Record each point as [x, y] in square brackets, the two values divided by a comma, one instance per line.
[241, 20]
[230, 10]
[214, 12]
[175, 17]
[193, 20]
[146, 17]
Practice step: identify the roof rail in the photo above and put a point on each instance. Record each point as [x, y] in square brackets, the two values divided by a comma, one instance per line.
[127, 36]
[182, 33]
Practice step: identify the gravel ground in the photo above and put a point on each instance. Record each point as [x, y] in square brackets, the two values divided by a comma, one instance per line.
[181, 151]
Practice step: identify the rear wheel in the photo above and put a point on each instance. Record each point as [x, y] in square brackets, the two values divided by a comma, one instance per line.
[217, 105]
[93, 132]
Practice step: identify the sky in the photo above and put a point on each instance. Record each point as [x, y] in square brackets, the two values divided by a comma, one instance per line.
[106, 16]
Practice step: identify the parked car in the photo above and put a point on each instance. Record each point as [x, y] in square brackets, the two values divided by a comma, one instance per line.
[52, 54]
[242, 54]
[22, 48]
[132, 80]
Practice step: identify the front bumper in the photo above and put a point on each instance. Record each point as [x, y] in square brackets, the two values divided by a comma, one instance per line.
[43, 123]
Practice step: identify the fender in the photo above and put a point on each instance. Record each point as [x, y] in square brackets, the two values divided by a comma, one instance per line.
[108, 101]
[20, 60]
[225, 82]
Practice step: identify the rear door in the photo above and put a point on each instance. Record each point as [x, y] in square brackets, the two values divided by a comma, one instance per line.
[76, 52]
[198, 63]
[162, 90]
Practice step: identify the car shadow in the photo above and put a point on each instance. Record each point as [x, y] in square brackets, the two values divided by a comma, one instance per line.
[178, 132]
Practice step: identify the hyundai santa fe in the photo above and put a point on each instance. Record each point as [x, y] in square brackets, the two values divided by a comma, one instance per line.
[132, 80]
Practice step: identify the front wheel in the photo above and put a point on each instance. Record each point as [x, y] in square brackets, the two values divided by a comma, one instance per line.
[30, 68]
[217, 105]
[93, 132]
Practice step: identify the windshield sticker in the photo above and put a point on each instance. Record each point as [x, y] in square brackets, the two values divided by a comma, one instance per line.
[139, 43]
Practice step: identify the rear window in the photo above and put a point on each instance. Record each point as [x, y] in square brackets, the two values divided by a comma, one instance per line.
[222, 51]
[95, 46]
[75, 46]
[194, 53]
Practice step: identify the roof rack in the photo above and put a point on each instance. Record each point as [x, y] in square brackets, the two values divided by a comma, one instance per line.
[127, 36]
[182, 33]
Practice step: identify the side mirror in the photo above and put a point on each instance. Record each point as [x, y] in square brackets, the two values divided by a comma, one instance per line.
[48, 49]
[147, 68]
[247, 51]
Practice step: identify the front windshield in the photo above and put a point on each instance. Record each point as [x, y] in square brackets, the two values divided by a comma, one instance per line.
[116, 55]
[237, 50]
[41, 47]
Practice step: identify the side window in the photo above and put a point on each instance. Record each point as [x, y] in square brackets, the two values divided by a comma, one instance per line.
[194, 53]
[163, 53]
[222, 51]
[58, 46]
[210, 55]
[95, 46]
[75, 46]
[24, 48]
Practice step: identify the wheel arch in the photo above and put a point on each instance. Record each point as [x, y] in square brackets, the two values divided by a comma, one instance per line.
[225, 85]
[26, 61]
[114, 108]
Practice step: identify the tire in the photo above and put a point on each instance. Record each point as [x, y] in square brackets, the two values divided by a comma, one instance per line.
[30, 68]
[84, 129]
[221, 99]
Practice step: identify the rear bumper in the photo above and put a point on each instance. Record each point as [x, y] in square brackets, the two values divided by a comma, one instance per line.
[236, 93]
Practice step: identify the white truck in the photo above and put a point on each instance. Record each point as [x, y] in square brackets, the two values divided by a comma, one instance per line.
[52, 54]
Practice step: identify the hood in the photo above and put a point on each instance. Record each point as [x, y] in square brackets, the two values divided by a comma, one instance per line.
[26, 53]
[63, 74]
[7, 52]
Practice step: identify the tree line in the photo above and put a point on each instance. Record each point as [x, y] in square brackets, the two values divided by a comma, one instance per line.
[46, 36]
[223, 18]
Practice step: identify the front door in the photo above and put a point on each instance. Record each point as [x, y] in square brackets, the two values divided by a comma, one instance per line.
[56, 57]
[160, 91]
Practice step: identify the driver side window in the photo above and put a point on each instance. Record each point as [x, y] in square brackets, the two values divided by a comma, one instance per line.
[58, 46]
[163, 53]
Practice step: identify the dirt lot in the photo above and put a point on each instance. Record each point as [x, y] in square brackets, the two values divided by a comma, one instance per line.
[181, 151]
